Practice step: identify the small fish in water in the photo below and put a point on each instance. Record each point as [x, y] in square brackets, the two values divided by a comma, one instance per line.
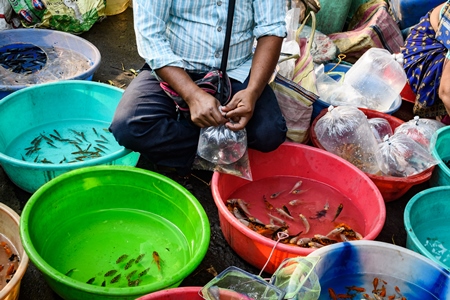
[295, 202]
[134, 282]
[295, 187]
[143, 273]
[131, 274]
[274, 195]
[115, 279]
[338, 211]
[156, 258]
[129, 263]
[284, 214]
[269, 206]
[139, 258]
[121, 258]
[286, 210]
[321, 213]
[275, 219]
[110, 273]
[68, 273]
[244, 207]
[91, 281]
[305, 222]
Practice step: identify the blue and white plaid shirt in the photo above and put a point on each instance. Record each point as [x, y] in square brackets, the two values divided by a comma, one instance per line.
[190, 33]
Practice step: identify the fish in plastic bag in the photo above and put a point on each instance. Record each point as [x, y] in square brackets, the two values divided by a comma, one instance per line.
[402, 156]
[380, 128]
[420, 129]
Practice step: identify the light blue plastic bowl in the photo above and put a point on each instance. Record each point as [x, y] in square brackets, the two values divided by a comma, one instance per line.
[441, 151]
[50, 38]
[69, 103]
[358, 263]
[426, 224]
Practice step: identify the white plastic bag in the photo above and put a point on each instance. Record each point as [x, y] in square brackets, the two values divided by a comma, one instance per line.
[420, 129]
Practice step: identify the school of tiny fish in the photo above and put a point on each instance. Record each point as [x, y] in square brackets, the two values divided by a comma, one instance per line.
[123, 263]
[83, 148]
[379, 292]
[280, 216]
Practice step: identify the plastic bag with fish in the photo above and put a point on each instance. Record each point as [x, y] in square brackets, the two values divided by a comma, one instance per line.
[380, 128]
[420, 129]
[234, 283]
[297, 278]
[402, 156]
[345, 131]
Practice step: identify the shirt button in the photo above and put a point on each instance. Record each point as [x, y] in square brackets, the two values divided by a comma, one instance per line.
[217, 55]
[219, 29]
[219, 3]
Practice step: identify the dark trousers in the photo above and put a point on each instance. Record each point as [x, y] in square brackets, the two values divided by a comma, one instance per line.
[146, 121]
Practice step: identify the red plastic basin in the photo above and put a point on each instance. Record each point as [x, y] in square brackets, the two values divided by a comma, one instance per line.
[297, 160]
[390, 187]
[180, 293]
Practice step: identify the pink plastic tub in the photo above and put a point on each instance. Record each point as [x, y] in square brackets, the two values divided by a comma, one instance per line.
[295, 160]
[180, 293]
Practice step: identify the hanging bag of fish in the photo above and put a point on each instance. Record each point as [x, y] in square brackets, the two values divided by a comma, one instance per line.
[420, 129]
[345, 131]
[401, 156]
[223, 150]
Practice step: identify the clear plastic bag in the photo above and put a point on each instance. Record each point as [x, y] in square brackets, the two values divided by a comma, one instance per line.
[345, 131]
[234, 283]
[380, 128]
[223, 150]
[402, 156]
[296, 277]
[337, 93]
[420, 129]
[220, 145]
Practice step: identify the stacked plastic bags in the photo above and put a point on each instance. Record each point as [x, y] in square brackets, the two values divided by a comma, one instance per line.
[373, 146]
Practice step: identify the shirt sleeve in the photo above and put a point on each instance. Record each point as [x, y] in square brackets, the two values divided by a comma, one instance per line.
[269, 18]
[150, 19]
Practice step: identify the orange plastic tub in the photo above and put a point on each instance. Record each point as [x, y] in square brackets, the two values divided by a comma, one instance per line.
[390, 187]
[289, 162]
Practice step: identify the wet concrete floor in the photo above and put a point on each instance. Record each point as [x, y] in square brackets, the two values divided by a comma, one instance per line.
[114, 37]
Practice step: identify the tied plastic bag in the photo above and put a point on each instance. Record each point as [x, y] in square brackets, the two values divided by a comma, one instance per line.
[380, 128]
[420, 129]
[345, 131]
[297, 278]
[234, 283]
[402, 156]
[223, 150]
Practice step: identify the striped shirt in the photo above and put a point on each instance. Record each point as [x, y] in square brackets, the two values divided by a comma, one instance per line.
[190, 33]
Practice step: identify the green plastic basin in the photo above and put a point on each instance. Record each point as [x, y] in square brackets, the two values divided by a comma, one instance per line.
[84, 228]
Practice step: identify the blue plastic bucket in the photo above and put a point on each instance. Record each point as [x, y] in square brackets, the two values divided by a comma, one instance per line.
[427, 226]
[71, 109]
[47, 38]
[441, 151]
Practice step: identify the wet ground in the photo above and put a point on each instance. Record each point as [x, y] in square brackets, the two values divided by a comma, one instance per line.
[114, 37]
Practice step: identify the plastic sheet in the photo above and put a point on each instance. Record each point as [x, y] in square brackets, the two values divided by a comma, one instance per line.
[402, 156]
[345, 131]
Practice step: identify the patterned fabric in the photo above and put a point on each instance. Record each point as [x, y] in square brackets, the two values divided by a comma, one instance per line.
[190, 34]
[424, 57]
